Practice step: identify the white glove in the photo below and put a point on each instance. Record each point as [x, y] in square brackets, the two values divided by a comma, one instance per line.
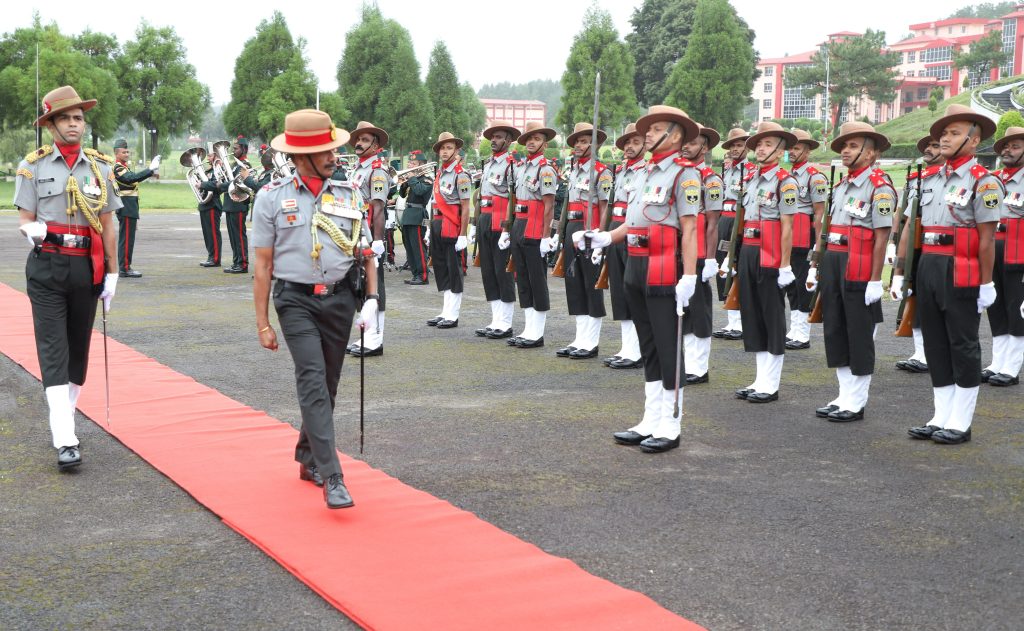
[986, 296]
[472, 235]
[812, 279]
[723, 271]
[786, 276]
[461, 243]
[426, 236]
[577, 238]
[109, 288]
[34, 231]
[596, 257]
[154, 165]
[873, 292]
[710, 269]
[390, 224]
[890, 254]
[546, 245]
[896, 288]
[367, 315]
[377, 247]
[684, 291]
[504, 241]
[1022, 309]
[554, 242]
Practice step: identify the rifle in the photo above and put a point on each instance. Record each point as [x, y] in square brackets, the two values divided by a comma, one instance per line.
[563, 218]
[908, 306]
[479, 232]
[898, 222]
[511, 214]
[602, 277]
[818, 253]
[732, 285]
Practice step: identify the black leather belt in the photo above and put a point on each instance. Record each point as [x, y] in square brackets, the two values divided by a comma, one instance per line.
[68, 240]
[326, 289]
[937, 238]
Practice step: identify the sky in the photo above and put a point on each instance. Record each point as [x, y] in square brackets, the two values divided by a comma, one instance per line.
[530, 43]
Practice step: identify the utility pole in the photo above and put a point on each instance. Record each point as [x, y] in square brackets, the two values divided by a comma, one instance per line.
[828, 109]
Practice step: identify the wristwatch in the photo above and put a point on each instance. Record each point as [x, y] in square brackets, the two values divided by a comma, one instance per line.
[372, 296]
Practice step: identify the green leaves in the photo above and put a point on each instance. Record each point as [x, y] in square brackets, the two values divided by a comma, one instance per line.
[985, 54]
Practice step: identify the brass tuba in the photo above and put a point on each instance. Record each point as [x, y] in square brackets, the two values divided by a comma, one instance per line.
[283, 165]
[193, 161]
[237, 190]
[401, 177]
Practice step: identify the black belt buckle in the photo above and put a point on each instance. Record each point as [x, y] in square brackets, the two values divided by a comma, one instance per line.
[935, 238]
[522, 208]
[486, 203]
[76, 241]
[637, 240]
[1001, 227]
[752, 233]
[837, 239]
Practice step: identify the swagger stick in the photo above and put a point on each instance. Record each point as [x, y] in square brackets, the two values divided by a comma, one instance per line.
[106, 364]
[679, 363]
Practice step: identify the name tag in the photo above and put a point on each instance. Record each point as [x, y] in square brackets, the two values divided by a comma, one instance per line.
[290, 219]
[654, 195]
[856, 208]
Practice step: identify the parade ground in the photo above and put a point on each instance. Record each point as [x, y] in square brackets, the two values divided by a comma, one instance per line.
[766, 517]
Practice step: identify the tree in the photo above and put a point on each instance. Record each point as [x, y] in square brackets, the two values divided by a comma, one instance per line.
[291, 90]
[712, 81]
[597, 48]
[985, 10]
[445, 94]
[476, 113]
[546, 90]
[933, 99]
[164, 95]
[104, 53]
[859, 66]
[265, 56]
[985, 54]
[1007, 120]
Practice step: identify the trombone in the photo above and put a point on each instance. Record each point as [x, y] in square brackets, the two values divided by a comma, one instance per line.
[196, 175]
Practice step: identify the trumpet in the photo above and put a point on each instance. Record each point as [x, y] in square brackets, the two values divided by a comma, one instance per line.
[196, 175]
[403, 176]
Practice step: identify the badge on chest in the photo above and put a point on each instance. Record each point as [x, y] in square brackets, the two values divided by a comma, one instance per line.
[1015, 200]
[446, 186]
[582, 182]
[330, 205]
[654, 195]
[856, 207]
[90, 187]
[496, 178]
[766, 198]
[956, 195]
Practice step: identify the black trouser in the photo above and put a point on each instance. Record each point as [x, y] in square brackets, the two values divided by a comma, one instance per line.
[616, 256]
[799, 297]
[238, 238]
[498, 284]
[209, 219]
[531, 269]
[580, 277]
[446, 261]
[63, 310]
[849, 324]
[762, 304]
[316, 330]
[949, 324]
[656, 322]
[415, 250]
[1004, 314]
[698, 318]
[725, 225]
[126, 241]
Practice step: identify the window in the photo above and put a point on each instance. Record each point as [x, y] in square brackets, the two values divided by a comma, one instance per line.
[943, 73]
[796, 105]
[878, 112]
[907, 110]
[922, 94]
[769, 71]
[963, 29]
[1009, 44]
[932, 55]
[908, 96]
[766, 104]
[765, 119]
[768, 88]
[949, 30]
[911, 57]
[910, 73]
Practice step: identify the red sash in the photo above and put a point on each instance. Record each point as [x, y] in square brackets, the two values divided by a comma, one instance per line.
[497, 209]
[1013, 253]
[532, 210]
[702, 236]
[578, 212]
[860, 244]
[451, 214]
[964, 250]
[802, 231]
[663, 260]
[771, 243]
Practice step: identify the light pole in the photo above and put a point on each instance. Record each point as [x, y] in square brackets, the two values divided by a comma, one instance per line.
[828, 83]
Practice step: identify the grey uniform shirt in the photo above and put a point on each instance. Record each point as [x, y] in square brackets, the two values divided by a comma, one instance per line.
[372, 180]
[495, 179]
[865, 201]
[283, 219]
[579, 183]
[766, 198]
[1013, 202]
[41, 187]
[625, 185]
[732, 183]
[535, 179]
[813, 188]
[453, 184]
[665, 192]
[713, 189]
[927, 185]
[964, 196]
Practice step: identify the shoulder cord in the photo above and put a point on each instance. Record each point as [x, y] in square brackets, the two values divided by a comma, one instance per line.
[323, 222]
[77, 201]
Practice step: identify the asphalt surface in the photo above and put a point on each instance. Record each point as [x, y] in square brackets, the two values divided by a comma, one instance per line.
[765, 518]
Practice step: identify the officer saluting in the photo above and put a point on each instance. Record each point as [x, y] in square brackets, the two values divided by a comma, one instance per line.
[128, 216]
[307, 231]
[64, 195]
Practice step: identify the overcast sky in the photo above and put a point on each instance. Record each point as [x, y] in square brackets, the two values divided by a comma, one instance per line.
[485, 49]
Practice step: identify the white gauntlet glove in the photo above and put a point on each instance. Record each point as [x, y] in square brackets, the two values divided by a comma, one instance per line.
[377, 247]
[472, 234]
[109, 287]
[986, 296]
[684, 291]
[461, 243]
[154, 165]
[812, 279]
[723, 270]
[597, 256]
[34, 231]
[873, 292]
[890, 254]
[786, 276]
[546, 246]
[896, 288]
[710, 269]
[368, 315]
[426, 237]
[504, 241]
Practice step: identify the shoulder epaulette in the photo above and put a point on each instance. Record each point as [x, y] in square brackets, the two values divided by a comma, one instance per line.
[750, 166]
[913, 175]
[932, 170]
[543, 162]
[458, 169]
[706, 172]
[812, 171]
[599, 167]
[978, 171]
[782, 174]
[621, 167]
[99, 156]
[279, 182]
[683, 162]
[377, 164]
[41, 152]
[749, 175]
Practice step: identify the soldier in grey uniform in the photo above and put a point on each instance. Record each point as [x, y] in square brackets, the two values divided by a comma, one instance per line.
[661, 273]
[65, 196]
[307, 233]
[697, 323]
[527, 230]
[740, 170]
[851, 268]
[453, 190]
[374, 183]
[810, 206]
[499, 284]
[954, 278]
[764, 267]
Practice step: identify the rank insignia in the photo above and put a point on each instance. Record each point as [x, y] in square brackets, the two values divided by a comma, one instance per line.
[789, 197]
[689, 183]
[377, 183]
[884, 204]
[290, 203]
[692, 195]
[989, 186]
[714, 193]
[821, 189]
[291, 218]
[25, 173]
[991, 200]
[549, 180]
[788, 187]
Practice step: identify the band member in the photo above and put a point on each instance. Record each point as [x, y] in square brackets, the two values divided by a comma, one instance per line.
[453, 190]
[631, 143]
[527, 235]
[305, 229]
[769, 201]
[954, 278]
[697, 323]
[851, 269]
[374, 183]
[737, 177]
[590, 186]
[235, 211]
[267, 174]
[499, 284]
[209, 215]
[1004, 317]
[416, 191]
[660, 231]
[932, 158]
[810, 205]
[128, 215]
[65, 196]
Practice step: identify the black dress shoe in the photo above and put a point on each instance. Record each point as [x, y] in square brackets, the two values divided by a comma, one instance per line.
[1001, 380]
[654, 445]
[825, 411]
[761, 397]
[607, 361]
[625, 363]
[743, 393]
[335, 493]
[68, 457]
[236, 269]
[433, 321]
[916, 366]
[565, 352]
[415, 281]
[692, 380]
[582, 354]
[482, 332]
[923, 432]
[209, 263]
[514, 341]
[129, 273]
[845, 416]
[720, 333]
[496, 334]
[952, 436]
[361, 351]
[986, 375]
[795, 345]
[310, 474]
[733, 335]
[525, 343]
[630, 437]
[447, 324]
[902, 365]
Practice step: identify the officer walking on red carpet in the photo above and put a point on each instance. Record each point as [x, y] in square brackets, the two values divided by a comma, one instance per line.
[306, 233]
[65, 196]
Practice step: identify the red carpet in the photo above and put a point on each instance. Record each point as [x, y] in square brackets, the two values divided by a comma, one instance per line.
[400, 559]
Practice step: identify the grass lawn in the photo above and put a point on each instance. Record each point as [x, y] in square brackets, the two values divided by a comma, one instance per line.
[153, 195]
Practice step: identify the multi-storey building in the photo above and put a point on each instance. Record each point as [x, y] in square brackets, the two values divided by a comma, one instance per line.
[517, 112]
